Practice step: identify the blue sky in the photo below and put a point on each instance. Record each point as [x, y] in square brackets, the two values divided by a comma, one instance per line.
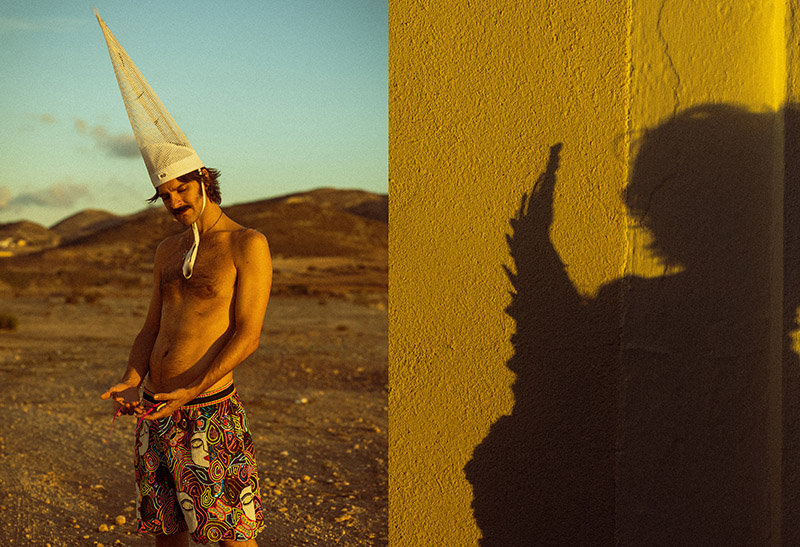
[280, 96]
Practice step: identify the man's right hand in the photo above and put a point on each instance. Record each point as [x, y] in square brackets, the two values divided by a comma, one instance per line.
[126, 396]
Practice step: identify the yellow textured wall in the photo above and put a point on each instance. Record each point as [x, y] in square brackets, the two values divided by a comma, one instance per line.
[592, 289]
[699, 376]
[479, 92]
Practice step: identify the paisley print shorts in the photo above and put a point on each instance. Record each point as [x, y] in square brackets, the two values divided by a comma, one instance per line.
[196, 471]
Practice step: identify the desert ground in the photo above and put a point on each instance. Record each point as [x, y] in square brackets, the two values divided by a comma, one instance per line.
[315, 392]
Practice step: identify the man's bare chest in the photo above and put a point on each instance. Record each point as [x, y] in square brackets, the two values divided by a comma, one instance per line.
[214, 274]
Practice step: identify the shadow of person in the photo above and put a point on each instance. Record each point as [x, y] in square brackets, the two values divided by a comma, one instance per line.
[790, 532]
[640, 415]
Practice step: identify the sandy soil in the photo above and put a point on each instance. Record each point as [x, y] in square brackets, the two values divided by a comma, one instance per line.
[315, 392]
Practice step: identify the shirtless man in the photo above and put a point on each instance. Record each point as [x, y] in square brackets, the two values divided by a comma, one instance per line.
[195, 467]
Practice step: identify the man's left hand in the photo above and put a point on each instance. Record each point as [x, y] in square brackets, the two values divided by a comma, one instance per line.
[174, 399]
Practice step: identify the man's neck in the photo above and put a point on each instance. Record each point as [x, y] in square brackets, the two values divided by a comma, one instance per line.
[209, 219]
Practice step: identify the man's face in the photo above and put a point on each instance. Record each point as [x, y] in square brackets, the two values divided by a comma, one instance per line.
[183, 200]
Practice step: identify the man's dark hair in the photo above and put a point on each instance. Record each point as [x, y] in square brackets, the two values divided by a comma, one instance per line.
[210, 179]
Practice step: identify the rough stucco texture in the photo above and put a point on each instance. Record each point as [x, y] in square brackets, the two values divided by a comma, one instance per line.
[479, 93]
[593, 277]
[698, 446]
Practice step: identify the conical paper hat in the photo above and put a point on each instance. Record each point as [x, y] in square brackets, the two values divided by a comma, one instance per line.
[165, 149]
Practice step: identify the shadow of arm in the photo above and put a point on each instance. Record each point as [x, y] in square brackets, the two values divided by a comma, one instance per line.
[538, 276]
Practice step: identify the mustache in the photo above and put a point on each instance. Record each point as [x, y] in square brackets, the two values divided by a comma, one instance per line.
[180, 209]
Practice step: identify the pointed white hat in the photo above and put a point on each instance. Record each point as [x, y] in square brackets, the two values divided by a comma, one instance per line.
[165, 149]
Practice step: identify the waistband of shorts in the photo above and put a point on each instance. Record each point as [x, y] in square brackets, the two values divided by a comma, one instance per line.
[204, 399]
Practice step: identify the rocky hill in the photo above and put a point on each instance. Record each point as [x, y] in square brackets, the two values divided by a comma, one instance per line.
[326, 231]
[85, 223]
[24, 235]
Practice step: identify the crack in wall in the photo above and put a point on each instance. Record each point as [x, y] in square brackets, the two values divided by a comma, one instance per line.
[670, 60]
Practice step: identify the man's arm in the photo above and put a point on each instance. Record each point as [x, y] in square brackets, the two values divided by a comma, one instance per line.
[253, 281]
[126, 392]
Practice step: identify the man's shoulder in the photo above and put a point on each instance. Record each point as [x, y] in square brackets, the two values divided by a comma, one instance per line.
[245, 234]
[248, 243]
[172, 240]
[169, 243]
[248, 238]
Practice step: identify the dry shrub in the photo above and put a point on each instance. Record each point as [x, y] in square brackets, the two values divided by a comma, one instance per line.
[18, 280]
[92, 297]
[8, 321]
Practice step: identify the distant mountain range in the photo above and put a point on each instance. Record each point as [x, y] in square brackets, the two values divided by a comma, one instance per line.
[325, 222]
[326, 242]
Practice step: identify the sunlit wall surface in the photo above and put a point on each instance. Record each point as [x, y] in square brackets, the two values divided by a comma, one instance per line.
[592, 273]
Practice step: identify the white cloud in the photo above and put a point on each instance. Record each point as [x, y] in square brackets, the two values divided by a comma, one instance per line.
[62, 195]
[122, 145]
[47, 24]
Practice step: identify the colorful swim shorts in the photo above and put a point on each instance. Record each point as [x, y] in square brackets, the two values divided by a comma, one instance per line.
[196, 471]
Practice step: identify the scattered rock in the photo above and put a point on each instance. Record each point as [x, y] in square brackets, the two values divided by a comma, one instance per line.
[302, 483]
